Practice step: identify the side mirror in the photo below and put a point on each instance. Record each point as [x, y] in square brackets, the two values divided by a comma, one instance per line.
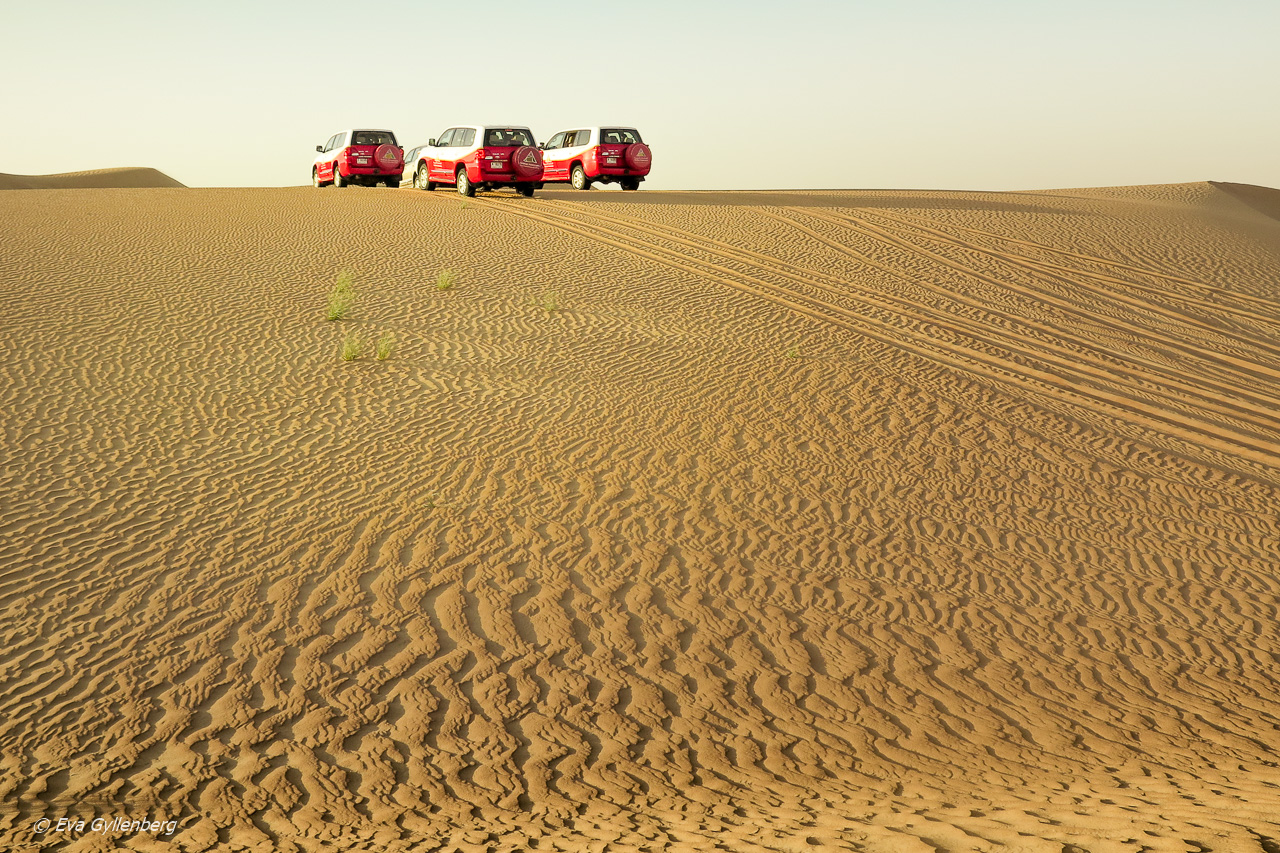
[320, 148]
[431, 142]
[542, 145]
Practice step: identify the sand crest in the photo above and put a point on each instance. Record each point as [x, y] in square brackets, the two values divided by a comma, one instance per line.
[92, 179]
[858, 520]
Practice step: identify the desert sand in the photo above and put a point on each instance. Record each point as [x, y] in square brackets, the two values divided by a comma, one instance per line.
[92, 179]
[795, 521]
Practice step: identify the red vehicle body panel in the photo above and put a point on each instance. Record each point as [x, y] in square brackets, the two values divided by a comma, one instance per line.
[610, 161]
[484, 165]
[360, 160]
[368, 157]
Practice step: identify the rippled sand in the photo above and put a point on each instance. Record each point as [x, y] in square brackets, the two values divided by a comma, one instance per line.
[92, 179]
[866, 520]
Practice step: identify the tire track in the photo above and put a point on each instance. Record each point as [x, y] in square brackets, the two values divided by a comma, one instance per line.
[1062, 378]
[1265, 405]
[1270, 306]
[1070, 275]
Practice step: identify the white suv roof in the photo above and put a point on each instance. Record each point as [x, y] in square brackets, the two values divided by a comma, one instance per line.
[491, 124]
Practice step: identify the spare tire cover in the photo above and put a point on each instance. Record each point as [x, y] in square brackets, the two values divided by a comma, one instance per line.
[639, 157]
[527, 161]
[388, 156]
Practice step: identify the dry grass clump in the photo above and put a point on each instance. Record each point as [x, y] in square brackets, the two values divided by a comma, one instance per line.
[382, 349]
[342, 297]
[351, 347]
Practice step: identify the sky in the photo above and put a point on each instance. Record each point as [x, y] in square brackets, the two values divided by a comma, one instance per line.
[922, 94]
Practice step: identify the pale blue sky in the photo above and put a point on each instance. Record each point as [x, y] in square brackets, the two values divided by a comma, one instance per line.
[994, 94]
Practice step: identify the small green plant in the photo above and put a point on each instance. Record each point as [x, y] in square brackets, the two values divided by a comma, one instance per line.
[382, 349]
[342, 297]
[793, 352]
[351, 347]
[464, 204]
[445, 279]
[549, 301]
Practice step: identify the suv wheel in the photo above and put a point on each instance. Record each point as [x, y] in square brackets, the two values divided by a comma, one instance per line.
[421, 181]
[630, 184]
[525, 190]
[578, 178]
[338, 180]
[465, 186]
[315, 177]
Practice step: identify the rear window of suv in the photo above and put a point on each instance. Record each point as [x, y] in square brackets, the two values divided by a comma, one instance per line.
[373, 137]
[506, 137]
[619, 136]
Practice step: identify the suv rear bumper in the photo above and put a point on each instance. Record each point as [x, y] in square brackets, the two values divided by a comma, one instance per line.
[367, 171]
[480, 175]
[603, 172]
[613, 176]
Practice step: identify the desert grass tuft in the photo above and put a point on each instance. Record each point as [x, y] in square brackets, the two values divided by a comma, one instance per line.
[342, 297]
[549, 301]
[793, 352]
[382, 349]
[351, 347]
[445, 280]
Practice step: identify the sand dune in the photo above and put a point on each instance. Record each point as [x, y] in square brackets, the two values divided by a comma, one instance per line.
[865, 520]
[92, 179]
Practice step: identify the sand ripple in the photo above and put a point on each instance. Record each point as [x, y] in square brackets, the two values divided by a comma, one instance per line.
[858, 521]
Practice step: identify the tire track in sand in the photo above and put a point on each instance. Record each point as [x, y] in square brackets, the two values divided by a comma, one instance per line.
[1061, 374]
[1268, 345]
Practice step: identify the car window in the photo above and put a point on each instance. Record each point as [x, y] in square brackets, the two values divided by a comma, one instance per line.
[581, 137]
[619, 135]
[374, 137]
[556, 141]
[339, 140]
[442, 141]
[328, 145]
[464, 136]
[333, 142]
[507, 137]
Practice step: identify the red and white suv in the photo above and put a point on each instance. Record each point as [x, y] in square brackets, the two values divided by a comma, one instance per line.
[369, 157]
[485, 157]
[605, 154]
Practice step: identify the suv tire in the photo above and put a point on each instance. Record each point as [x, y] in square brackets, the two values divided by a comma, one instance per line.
[578, 178]
[338, 180]
[630, 183]
[525, 190]
[421, 181]
[315, 177]
[465, 187]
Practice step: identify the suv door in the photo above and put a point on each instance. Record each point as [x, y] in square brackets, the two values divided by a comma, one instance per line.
[575, 143]
[435, 155]
[410, 164]
[331, 153]
[463, 144]
[553, 166]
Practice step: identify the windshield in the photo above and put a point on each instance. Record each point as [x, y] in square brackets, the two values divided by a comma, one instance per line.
[373, 137]
[619, 136]
[506, 137]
